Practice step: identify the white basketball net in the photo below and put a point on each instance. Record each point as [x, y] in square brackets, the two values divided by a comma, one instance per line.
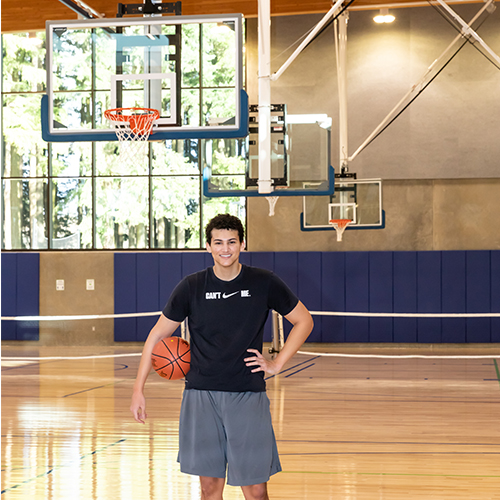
[272, 203]
[132, 127]
[340, 225]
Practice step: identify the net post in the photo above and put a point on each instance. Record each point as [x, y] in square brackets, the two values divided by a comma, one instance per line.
[275, 347]
[185, 331]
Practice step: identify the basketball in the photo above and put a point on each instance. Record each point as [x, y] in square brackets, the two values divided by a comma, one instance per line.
[171, 358]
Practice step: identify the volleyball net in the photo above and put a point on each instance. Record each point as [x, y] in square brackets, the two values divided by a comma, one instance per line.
[278, 334]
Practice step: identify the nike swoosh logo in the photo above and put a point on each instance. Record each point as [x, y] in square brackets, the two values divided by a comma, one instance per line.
[224, 296]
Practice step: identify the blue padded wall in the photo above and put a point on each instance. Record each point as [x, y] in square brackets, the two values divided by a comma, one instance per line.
[451, 281]
[148, 290]
[428, 296]
[478, 297]
[385, 282]
[495, 295]
[332, 296]
[265, 260]
[309, 286]
[20, 294]
[405, 296]
[357, 288]
[380, 294]
[285, 266]
[454, 295]
[125, 273]
[9, 295]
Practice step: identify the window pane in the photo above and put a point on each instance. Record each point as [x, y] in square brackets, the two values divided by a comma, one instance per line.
[130, 58]
[190, 107]
[215, 206]
[109, 162]
[72, 213]
[23, 62]
[226, 156]
[176, 212]
[219, 64]
[122, 218]
[191, 55]
[228, 181]
[71, 159]
[102, 103]
[71, 65]
[175, 157]
[104, 65]
[24, 215]
[73, 110]
[219, 106]
[25, 153]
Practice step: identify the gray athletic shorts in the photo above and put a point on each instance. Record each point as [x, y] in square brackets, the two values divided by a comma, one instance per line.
[232, 430]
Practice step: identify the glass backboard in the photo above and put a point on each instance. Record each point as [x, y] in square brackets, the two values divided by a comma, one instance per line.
[359, 200]
[189, 68]
[300, 158]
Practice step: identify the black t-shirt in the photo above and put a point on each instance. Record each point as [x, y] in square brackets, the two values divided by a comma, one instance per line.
[225, 319]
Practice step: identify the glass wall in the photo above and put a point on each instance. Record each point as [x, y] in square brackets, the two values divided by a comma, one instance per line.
[79, 195]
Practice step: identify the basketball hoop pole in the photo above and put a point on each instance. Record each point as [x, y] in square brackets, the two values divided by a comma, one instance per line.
[340, 28]
[264, 50]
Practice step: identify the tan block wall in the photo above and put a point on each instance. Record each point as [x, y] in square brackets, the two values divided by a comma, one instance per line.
[420, 215]
[75, 268]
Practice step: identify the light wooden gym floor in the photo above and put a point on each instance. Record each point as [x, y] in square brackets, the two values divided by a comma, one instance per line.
[347, 428]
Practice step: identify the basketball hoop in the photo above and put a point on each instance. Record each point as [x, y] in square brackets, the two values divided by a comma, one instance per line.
[272, 203]
[340, 225]
[273, 199]
[132, 127]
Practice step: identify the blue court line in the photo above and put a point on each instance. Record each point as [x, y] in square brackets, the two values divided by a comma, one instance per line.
[305, 368]
[292, 367]
[46, 473]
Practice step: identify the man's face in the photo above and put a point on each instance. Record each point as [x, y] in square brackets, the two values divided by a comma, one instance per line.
[225, 246]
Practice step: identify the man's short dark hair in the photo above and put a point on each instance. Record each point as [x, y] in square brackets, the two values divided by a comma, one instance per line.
[224, 221]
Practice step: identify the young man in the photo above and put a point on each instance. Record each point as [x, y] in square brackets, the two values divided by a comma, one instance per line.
[225, 421]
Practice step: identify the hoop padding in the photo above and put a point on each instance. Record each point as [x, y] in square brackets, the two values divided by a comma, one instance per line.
[133, 127]
[340, 225]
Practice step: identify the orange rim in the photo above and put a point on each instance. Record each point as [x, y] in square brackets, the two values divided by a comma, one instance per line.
[115, 116]
[340, 222]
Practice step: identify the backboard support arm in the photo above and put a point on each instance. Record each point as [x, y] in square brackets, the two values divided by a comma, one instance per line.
[82, 9]
[437, 65]
[149, 8]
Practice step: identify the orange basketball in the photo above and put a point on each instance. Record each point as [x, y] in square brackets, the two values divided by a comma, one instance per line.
[171, 358]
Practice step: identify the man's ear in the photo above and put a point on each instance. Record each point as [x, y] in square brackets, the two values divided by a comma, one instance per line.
[207, 246]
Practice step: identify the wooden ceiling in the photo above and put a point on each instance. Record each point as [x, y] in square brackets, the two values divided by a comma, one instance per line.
[19, 15]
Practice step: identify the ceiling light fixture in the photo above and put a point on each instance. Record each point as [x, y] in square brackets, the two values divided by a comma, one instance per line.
[384, 17]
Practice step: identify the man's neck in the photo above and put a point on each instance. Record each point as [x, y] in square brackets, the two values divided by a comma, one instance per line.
[227, 273]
